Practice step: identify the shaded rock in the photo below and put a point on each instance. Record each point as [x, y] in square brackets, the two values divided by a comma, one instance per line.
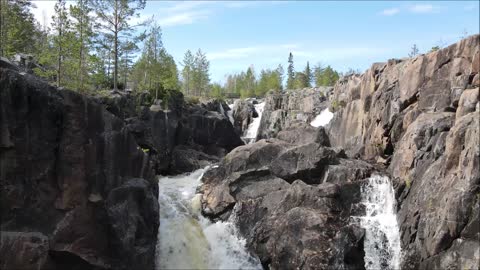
[185, 159]
[303, 133]
[243, 114]
[62, 155]
[306, 162]
[23, 250]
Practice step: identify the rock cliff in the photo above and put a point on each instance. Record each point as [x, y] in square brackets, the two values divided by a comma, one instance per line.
[77, 192]
[421, 116]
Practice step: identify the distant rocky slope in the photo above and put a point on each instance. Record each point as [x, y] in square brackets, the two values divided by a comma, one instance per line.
[76, 190]
[284, 108]
[421, 116]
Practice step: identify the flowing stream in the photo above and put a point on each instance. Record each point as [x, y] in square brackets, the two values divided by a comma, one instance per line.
[382, 235]
[252, 131]
[187, 240]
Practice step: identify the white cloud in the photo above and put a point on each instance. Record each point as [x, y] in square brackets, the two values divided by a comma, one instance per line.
[390, 11]
[183, 18]
[423, 8]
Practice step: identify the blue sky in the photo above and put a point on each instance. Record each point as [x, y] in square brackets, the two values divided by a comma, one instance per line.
[346, 34]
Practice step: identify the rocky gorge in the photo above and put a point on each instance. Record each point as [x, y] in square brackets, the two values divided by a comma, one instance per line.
[391, 181]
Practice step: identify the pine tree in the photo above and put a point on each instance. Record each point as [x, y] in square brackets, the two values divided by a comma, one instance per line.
[290, 73]
[201, 76]
[307, 80]
[114, 16]
[413, 51]
[18, 28]
[83, 26]
[280, 73]
[61, 26]
[187, 72]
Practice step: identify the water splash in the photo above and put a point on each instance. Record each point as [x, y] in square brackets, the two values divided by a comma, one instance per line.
[187, 240]
[252, 131]
[382, 237]
[322, 119]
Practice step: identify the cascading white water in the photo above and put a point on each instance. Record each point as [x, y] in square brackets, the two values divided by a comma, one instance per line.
[252, 131]
[382, 235]
[322, 119]
[230, 113]
[187, 240]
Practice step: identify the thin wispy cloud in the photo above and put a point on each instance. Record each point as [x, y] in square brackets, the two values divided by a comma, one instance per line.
[390, 11]
[423, 8]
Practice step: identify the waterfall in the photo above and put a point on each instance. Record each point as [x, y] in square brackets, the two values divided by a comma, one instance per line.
[322, 119]
[230, 113]
[252, 131]
[187, 240]
[382, 235]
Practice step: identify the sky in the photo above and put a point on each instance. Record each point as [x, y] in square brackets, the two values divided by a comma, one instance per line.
[342, 34]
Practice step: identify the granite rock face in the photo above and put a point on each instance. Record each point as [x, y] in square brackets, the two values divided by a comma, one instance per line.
[421, 116]
[77, 192]
[282, 109]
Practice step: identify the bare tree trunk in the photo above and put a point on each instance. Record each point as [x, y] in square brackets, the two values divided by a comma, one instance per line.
[80, 64]
[115, 68]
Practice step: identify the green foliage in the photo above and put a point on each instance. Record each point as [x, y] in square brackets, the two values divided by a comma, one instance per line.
[336, 105]
[434, 48]
[325, 76]
[192, 99]
[155, 71]
[216, 91]
[408, 182]
[196, 74]
[18, 29]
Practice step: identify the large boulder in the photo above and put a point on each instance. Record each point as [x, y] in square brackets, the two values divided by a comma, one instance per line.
[287, 203]
[67, 167]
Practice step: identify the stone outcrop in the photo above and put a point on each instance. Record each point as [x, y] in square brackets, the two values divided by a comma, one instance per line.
[169, 129]
[421, 116]
[282, 109]
[77, 192]
[288, 202]
[243, 114]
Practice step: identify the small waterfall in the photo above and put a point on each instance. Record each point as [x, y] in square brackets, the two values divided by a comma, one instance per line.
[230, 113]
[187, 240]
[382, 235]
[252, 131]
[322, 119]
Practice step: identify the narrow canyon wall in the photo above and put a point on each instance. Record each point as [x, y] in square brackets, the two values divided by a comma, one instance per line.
[420, 117]
[77, 192]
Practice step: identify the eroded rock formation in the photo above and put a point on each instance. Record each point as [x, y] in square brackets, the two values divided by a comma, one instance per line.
[77, 192]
